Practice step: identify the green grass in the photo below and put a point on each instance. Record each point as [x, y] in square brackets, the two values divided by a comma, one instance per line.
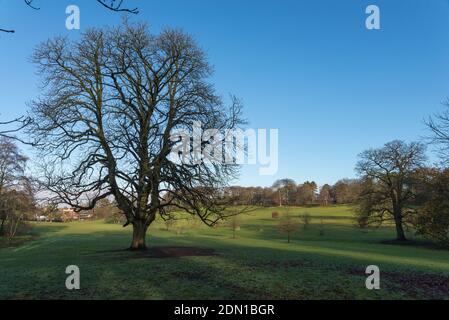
[258, 264]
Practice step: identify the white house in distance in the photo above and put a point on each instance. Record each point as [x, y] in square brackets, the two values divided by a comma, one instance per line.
[66, 215]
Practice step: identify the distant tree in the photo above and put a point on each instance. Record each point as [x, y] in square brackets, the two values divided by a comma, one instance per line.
[288, 226]
[285, 190]
[194, 222]
[388, 176]
[325, 195]
[104, 208]
[234, 224]
[306, 193]
[52, 212]
[240, 195]
[12, 179]
[346, 191]
[15, 205]
[306, 220]
[169, 221]
[12, 164]
[116, 217]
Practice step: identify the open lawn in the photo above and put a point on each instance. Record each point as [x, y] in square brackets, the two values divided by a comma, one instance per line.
[258, 264]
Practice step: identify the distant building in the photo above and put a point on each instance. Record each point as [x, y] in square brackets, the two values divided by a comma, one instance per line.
[41, 218]
[85, 216]
[69, 214]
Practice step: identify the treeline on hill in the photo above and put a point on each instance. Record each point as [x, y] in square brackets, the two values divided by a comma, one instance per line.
[395, 188]
[286, 192]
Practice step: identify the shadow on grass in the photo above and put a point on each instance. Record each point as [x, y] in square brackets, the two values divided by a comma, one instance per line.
[251, 272]
[42, 229]
[417, 243]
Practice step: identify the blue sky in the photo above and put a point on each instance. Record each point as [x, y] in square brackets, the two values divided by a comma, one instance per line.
[308, 68]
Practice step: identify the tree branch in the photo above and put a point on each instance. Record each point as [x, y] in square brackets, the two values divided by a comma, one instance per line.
[116, 6]
[113, 5]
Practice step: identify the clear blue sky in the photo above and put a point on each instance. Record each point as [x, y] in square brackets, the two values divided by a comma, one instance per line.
[309, 68]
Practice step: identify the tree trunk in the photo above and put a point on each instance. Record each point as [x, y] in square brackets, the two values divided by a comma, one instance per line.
[280, 199]
[2, 226]
[400, 234]
[139, 234]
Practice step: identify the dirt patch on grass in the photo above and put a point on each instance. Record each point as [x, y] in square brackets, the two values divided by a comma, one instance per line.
[176, 252]
[156, 253]
[414, 284]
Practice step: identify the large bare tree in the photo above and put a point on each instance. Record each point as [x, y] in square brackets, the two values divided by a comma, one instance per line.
[108, 123]
[388, 175]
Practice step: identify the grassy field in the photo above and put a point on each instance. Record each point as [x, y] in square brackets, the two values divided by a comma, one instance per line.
[258, 264]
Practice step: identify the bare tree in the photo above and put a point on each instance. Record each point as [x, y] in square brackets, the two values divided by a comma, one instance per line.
[110, 118]
[15, 204]
[113, 5]
[12, 164]
[287, 225]
[439, 126]
[234, 224]
[306, 219]
[284, 188]
[12, 168]
[388, 175]
[345, 191]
